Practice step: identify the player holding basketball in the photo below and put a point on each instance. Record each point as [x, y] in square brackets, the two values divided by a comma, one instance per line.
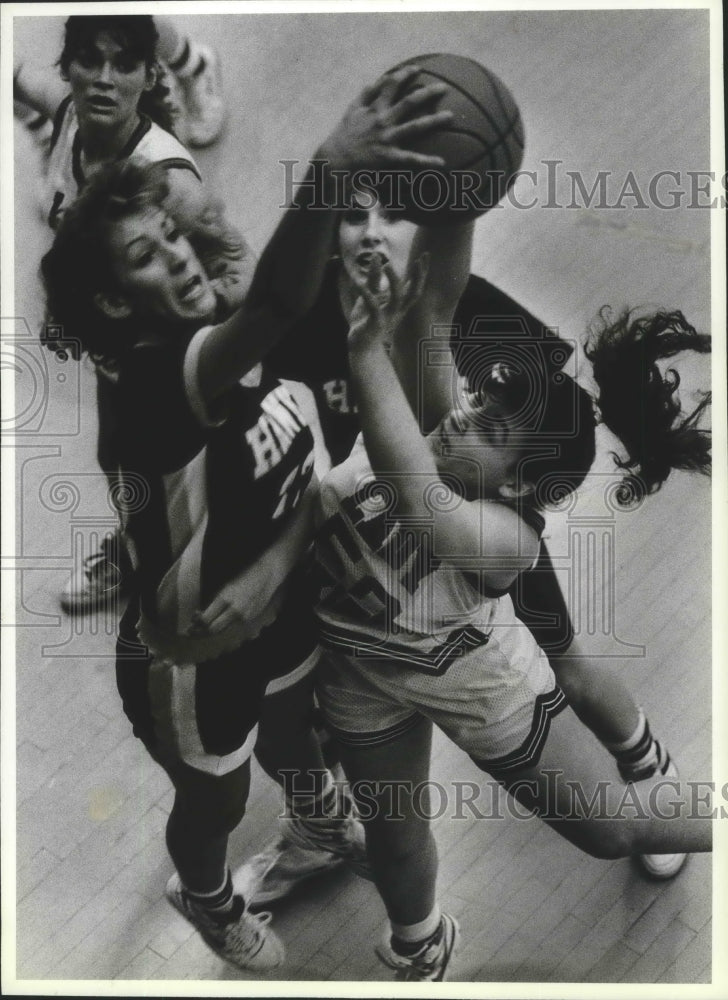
[420, 538]
[215, 468]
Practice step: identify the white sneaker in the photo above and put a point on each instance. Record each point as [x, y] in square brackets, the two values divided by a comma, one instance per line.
[309, 847]
[288, 866]
[203, 102]
[240, 937]
[662, 866]
[98, 581]
[430, 963]
[175, 103]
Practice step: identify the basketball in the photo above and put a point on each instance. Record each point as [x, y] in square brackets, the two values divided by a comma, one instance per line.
[482, 146]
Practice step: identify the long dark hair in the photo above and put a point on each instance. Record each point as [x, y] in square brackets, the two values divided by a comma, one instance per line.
[640, 405]
[137, 35]
[554, 419]
[78, 265]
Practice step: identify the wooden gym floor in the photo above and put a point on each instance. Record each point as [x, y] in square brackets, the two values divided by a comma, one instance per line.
[613, 91]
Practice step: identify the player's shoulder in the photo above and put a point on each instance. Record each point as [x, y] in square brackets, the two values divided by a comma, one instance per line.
[486, 311]
[482, 298]
[158, 145]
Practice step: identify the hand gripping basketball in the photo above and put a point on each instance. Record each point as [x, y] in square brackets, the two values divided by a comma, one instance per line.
[480, 145]
[379, 128]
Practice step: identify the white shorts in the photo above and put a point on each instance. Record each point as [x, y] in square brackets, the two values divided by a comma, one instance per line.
[495, 702]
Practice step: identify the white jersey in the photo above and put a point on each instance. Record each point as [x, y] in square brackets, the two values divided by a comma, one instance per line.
[64, 175]
[382, 590]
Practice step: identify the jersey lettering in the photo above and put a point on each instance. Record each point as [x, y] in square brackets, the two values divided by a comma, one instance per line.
[275, 431]
[366, 597]
[293, 486]
[337, 396]
[407, 551]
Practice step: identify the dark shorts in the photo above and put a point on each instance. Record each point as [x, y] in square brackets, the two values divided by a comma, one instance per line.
[206, 714]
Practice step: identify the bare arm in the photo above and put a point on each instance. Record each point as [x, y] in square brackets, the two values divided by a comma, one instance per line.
[255, 595]
[372, 134]
[41, 89]
[492, 532]
[421, 346]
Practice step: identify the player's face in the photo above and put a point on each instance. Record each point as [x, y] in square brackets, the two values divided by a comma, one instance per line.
[367, 229]
[107, 83]
[157, 271]
[478, 451]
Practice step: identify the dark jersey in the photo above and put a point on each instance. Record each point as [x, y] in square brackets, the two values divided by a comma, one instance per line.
[488, 326]
[202, 497]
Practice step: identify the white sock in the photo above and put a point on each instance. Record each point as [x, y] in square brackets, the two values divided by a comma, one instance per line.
[320, 805]
[414, 936]
[640, 755]
[218, 902]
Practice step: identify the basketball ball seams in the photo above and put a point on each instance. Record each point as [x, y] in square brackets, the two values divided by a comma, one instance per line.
[486, 149]
[498, 132]
[497, 91]
[485, 138]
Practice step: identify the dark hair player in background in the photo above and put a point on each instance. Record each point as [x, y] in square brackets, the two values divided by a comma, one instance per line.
[109, 102]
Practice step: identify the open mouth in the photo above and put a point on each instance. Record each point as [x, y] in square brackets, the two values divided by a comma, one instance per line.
[100, 103]
[192, 289]
[365, 259]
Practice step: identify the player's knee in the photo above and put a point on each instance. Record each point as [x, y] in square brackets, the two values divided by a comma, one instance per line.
[209, 820]
[572, 680]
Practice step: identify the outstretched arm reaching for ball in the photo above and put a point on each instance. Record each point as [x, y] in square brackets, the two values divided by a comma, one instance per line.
[405, 458]
[421, 347]
[373, 134]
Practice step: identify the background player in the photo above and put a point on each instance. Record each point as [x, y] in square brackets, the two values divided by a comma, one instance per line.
[190, 71]
[118, 106]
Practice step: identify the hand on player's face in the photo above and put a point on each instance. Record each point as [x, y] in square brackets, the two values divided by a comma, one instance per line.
[376, 128]
[367, 229]
[383, 301]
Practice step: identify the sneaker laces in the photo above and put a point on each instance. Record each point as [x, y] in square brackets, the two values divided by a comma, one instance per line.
[414, 967]
[248, 934]
[229, 928]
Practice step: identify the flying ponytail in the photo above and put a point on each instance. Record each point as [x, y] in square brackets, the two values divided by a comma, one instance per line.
[639, 404]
